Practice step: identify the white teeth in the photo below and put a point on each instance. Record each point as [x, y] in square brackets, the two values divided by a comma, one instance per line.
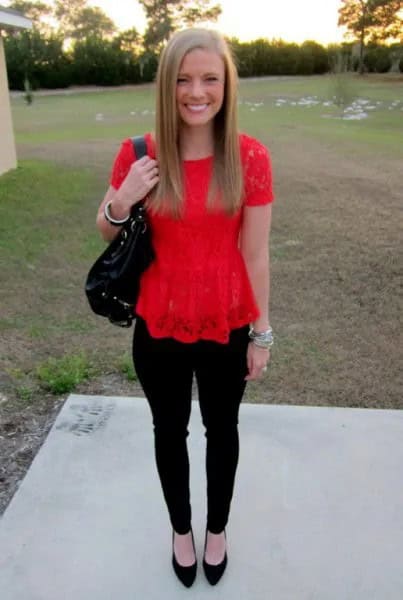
[196, 107]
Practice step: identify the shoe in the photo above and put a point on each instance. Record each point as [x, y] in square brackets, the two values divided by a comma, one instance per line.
[187, 575]
[214, 572]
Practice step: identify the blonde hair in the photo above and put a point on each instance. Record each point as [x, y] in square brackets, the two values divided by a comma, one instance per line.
[227, 170]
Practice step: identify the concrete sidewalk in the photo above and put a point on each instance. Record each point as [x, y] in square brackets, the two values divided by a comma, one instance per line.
[317, 512]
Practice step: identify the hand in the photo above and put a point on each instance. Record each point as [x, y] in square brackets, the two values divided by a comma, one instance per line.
[257, 360]
[140, 180]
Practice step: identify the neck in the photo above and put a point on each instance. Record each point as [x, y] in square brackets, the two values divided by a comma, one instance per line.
[196, 142]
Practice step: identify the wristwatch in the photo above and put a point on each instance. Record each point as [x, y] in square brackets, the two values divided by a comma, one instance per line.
[263, 339]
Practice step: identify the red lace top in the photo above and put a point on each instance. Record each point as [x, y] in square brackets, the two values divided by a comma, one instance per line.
[198, 287]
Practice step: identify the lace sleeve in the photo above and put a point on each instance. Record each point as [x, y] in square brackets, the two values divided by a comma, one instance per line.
[258, 187]
[123, 160]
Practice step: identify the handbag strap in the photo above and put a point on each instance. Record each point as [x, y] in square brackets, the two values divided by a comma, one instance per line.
[139, 146]
[140, 149]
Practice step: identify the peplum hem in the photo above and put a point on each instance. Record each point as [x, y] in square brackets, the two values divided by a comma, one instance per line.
[207, 329]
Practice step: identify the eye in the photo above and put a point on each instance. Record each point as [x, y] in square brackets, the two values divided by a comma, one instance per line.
[212, 78]
[181, 80]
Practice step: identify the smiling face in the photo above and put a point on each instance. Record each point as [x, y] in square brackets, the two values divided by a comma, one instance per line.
[200, 88]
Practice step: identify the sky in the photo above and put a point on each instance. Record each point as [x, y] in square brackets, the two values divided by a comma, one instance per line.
[290, 20]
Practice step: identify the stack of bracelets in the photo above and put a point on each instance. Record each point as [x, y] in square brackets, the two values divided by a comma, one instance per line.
[263, 340]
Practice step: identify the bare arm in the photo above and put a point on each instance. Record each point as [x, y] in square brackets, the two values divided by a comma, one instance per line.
[141, 178]
[254, 245]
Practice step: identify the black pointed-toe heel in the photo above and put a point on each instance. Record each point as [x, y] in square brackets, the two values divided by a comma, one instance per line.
[214, 573]
[186, 575]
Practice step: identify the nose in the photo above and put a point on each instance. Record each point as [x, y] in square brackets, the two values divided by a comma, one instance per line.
[196, 89]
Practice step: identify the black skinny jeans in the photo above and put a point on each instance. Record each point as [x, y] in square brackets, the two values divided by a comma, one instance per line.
[165, 369]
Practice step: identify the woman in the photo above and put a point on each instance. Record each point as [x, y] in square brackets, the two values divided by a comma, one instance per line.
[203, 303]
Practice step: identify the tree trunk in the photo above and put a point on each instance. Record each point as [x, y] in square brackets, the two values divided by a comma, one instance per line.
[396, 57]
[361, 64]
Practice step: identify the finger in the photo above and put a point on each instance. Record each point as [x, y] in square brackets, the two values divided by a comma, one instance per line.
[250, 377]
[249, 365]
[259, 370]
[153, 182]
[253, 373]
[142, 161]
[150, 183]
[152, 172]
[149, 164]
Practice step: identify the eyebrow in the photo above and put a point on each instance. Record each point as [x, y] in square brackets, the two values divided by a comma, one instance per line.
[208, 74]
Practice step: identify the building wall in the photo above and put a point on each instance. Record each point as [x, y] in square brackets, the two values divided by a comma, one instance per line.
[8, 157]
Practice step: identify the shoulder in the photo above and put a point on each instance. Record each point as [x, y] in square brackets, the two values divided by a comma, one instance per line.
[257, 171]
[127, 149]
[125, 157]
[251, 148]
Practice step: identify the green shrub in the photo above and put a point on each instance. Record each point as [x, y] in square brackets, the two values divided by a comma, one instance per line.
[313, 59]
[377, 59]
[31, 55]
[61, 375]
[125, 366]
[94, 60]
[25, 393]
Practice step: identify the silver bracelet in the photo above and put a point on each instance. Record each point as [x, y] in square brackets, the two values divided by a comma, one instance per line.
[263, 339]
[110, 219]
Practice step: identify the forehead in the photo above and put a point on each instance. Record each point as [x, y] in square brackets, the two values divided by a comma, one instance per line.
[200, 60]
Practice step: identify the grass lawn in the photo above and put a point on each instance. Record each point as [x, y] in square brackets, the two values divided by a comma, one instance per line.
[336, 239]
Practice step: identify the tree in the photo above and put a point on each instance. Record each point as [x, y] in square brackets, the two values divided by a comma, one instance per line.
[35, 57]
[388, 21]
[67, 12]
[38, 12]
[128, 40]
[166, 16]
[371, 20]
[37, 60]
[92, 21]
[78, 21]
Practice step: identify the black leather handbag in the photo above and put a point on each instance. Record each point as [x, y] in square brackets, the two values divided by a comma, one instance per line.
[112, 284]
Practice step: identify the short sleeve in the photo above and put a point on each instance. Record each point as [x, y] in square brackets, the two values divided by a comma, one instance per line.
[258, 180]
[122, 163]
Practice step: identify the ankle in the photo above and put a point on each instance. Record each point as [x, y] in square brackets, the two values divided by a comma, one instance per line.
[215, 547]
[183, 548]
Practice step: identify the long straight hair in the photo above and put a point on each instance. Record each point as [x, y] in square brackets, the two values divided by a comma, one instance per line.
[227, 179]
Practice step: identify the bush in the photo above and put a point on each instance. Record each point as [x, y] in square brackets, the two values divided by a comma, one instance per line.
[342, 55]
[61, 375]
[125, 366]
[377, 59]
[313, 59]
[97, 62]
[37, 58]
[147, 65]
[286, 58]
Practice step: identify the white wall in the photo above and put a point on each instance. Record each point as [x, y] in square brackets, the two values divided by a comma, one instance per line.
[8, 157]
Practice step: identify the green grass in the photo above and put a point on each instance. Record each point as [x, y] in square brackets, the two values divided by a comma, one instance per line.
[38, 202]
[25, 393]
[125, 366]
[48, 238]
[72, 118]
[62, 375]
[371, 87]
[381, 131]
